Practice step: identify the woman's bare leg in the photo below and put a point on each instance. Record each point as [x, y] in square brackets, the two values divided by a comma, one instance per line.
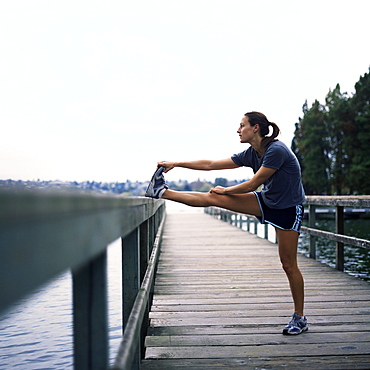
[242, 203]
[288, 244]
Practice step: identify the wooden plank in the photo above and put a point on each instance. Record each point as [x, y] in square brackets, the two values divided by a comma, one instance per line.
[221, 300]
[257, 320]
[242, 307]
[252, 329]
[244, 298]
[270, 350]
[298, 362]
[254, 340]
[256, 312]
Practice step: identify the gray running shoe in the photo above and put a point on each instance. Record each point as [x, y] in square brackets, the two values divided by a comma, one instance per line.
[297, 325]
[157, 185]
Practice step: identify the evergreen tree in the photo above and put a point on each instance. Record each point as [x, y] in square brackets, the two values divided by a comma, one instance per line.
[339, 118]
[360, 166]
[332, 142]
[311, 146]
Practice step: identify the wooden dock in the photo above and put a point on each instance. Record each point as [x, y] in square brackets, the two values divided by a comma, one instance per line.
[221, 300]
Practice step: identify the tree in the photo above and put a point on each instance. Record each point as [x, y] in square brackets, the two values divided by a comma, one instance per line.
[360, 160]
[311, 147]
[220, 181]
[339, 120]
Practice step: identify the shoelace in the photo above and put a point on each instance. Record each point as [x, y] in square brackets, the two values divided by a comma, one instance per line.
[295, 320]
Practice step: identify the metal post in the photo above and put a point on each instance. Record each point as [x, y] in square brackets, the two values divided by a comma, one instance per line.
[311, 223]
[90, 320]
[339, 218]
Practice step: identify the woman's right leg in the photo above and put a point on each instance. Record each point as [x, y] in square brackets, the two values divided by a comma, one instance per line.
[242, 203]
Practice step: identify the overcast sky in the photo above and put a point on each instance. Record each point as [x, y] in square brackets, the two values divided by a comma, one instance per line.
[103, 90]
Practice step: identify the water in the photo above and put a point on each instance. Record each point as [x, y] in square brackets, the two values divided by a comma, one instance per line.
[356, 260]
[37, 332]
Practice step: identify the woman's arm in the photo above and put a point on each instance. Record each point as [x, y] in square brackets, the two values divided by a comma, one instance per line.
[204, 165]
[258, 179]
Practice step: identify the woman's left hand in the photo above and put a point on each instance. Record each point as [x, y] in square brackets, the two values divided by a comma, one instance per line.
[218, 190]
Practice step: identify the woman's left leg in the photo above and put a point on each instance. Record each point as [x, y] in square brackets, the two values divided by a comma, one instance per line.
[288, 244]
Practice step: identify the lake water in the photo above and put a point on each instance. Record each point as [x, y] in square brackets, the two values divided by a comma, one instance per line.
[36, 333]
[356, 260]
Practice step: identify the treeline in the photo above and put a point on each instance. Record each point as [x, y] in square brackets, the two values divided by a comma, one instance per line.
[332, 142]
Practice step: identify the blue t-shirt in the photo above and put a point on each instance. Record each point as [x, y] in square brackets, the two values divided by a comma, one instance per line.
[284, 188]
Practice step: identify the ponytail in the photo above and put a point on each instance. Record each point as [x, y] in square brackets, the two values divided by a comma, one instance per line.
[255, 118]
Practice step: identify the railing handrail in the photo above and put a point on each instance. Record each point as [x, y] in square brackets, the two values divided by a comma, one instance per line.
[43, 234]
[339, 237]
[339, 202]
[356, 201]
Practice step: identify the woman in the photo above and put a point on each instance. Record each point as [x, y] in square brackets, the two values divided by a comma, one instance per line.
[279, 203]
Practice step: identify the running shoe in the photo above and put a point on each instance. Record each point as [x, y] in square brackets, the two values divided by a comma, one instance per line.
[297, 325]
[157, 185]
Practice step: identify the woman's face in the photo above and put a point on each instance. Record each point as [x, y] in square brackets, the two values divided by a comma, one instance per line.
[246, 131]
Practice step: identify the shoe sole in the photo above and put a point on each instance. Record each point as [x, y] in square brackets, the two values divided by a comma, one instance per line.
[157, 172]
[285, 332]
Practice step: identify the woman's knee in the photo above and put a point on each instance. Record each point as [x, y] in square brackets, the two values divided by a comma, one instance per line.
[288, 268]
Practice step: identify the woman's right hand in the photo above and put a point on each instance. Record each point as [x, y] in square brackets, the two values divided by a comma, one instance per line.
[169, 165]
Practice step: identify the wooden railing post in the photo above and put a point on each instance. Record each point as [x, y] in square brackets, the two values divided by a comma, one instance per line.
[144, 248]
[130, 281]
[255, 221]
[151, 233]
[90, 321]
[339, 220]
[311, 223]
[144, 259]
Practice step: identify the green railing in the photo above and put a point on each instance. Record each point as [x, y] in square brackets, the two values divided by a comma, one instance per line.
[339, 202]
[44, 234]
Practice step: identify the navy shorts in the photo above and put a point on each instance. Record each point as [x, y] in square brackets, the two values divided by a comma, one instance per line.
[285, 219]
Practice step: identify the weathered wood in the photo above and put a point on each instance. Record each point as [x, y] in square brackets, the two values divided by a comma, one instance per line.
[90, 315]
[221, 300]
[357, 201]
[339, 221]
[273, 349]
[342, 362]
[128, 356]
[253, 340]
[311, 224]
[251, 329]
[43, 234]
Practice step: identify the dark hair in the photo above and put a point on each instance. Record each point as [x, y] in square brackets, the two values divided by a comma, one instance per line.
[257, 118]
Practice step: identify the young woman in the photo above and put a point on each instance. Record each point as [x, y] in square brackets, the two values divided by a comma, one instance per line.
[279, 203]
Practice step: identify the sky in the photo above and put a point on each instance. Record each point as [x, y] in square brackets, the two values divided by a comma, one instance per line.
[103, 90]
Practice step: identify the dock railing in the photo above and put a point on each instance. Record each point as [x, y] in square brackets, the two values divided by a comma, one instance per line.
[44, 234]
[339, 202]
